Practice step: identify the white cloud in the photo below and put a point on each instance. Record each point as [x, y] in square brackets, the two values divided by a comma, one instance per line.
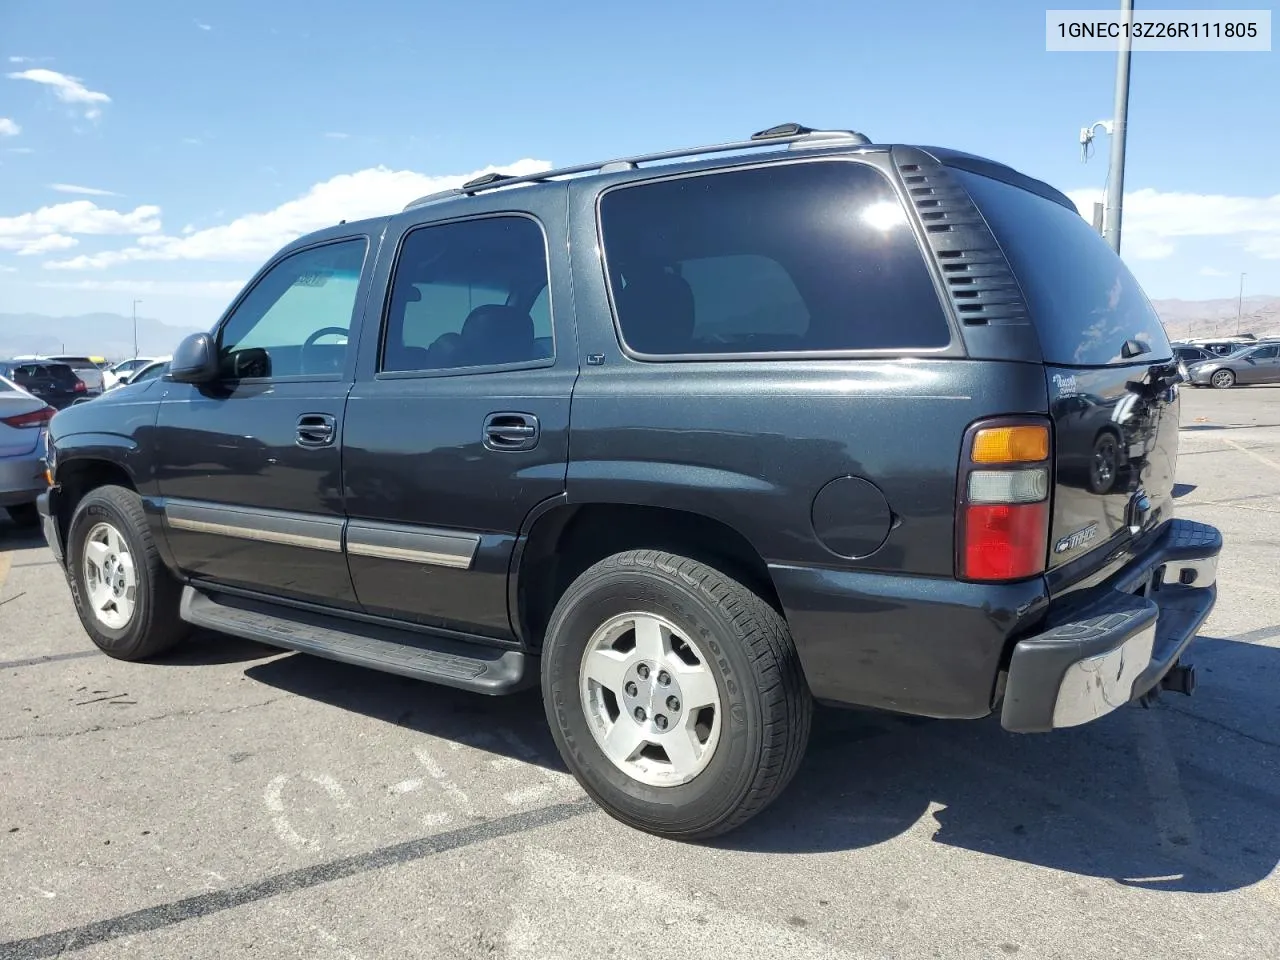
[67, 89]
[203, 26]
[255, 236]
[337, 136]
[191, 141]
[8, 128]
[19, 150]
[22, 60]
[1154, 220]
[1212, 272]
[87, 191]
[33, 232]
[211, 289]
[4, 269]
[46, 244]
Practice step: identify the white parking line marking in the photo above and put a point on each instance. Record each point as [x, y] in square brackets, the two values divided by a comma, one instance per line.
[273, 797]
[1252, 453]
[438, 774]
[518, 798]
[408, 786]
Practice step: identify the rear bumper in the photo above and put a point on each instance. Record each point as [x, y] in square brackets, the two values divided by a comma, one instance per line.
[1118, 642]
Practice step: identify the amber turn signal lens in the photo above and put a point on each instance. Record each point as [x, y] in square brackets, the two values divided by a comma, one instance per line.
[1021, 444]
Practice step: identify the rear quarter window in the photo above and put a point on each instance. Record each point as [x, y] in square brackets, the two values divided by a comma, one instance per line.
[809, 257]
[1083, 300]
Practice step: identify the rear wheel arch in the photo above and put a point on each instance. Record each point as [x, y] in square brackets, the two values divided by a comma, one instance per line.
[565, 539]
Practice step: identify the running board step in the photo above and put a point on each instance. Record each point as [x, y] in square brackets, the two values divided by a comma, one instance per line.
[453, 663]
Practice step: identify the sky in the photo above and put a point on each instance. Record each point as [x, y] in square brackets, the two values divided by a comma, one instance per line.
[163, 149]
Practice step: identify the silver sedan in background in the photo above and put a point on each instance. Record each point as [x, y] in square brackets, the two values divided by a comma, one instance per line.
[24, 421]
[1255, 364]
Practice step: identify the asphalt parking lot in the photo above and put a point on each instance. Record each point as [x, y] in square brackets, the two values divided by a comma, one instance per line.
[238, 801]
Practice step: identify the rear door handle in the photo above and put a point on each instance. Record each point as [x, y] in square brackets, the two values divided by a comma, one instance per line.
[511, 431]
[316, 429]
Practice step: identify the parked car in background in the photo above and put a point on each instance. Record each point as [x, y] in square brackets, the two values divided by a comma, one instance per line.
[23, 419]
[127, 368]
[1252, 365]
[54, 383]
[1220, 346]
[1189, 353]
[96, 380]
[157, 368]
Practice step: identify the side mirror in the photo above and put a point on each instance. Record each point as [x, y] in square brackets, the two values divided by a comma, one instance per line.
[195, 360]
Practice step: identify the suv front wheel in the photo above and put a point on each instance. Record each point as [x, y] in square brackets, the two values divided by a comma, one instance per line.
[127, 600]
[674, 694]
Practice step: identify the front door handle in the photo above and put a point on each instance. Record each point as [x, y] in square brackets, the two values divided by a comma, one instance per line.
[317, 429]
[511, 431]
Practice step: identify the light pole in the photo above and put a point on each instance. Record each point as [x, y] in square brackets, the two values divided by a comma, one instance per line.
[1107, 219]
[135, 328]
[1120, 124]
[1240, 303]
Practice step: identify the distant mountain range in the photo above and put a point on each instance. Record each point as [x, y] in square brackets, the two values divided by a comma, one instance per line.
[94, 334]
[1217, 318]
[111, 334]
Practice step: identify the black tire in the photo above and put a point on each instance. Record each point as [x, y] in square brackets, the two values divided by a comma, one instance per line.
[24, 514]
[1223, 379]
[1104, 465]
[766, 700]
[155, 625]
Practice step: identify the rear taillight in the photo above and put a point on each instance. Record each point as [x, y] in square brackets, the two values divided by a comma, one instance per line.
[36, 418]
[79, 387]
[1002, 520]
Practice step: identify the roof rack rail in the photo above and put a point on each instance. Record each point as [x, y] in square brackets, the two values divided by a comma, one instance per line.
[792, 135]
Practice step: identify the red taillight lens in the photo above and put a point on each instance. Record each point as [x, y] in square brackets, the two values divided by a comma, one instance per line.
[79, 387]
[1004, 541]
[36, 418]
[1002, 519]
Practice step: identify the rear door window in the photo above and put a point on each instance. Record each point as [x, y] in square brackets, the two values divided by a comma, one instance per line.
[789, 258]
[470, 293]
[1083, 300]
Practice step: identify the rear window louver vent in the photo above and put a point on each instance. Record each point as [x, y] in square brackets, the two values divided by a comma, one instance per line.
[979, 282]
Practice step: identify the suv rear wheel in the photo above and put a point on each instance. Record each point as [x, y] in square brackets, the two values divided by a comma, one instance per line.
[674, 694]
[126, 599]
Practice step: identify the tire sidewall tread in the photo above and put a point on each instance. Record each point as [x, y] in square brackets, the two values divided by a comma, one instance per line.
[155, 626]
[765, 702]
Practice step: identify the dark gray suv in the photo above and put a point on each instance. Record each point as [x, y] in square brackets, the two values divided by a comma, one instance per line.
[691, 440]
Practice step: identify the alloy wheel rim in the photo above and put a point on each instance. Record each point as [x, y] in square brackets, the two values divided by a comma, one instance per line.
[650, 699]
[110, 578]
[1104, 463]
[1222, 378]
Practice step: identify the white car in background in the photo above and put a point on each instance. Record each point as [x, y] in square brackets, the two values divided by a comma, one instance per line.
[126, 368]
[127, 371]
[24, 421]
[156, 368]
